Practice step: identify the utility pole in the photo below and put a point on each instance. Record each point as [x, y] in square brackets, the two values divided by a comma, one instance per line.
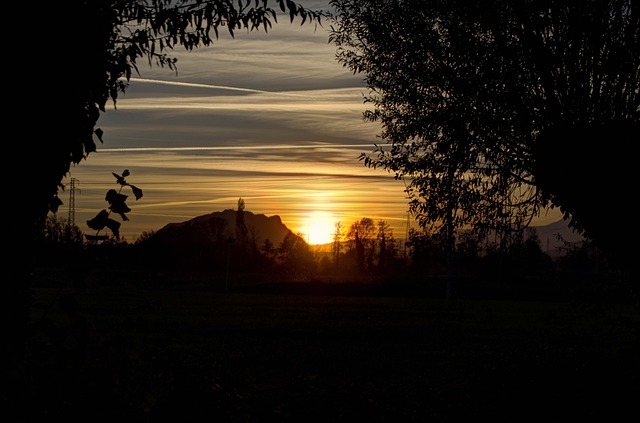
[71, 221]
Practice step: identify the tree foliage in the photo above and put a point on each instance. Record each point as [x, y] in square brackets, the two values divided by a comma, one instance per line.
[58, 231]
[371, 245]
[386, 244]
[242, 232]
[117, 204]
[481, 103]
[361, 237]
[295, 257]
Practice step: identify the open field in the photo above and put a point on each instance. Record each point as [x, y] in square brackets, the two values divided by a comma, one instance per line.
[176, 355]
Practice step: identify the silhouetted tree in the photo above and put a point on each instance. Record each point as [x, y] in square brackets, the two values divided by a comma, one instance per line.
[62, 242]
[495, 110]
[145, 235]
[336, 247]
[361, 236]
[61, 231]
[519, 261]
[582, 268]
[386, 244]
[588, 171]
[241, 226]
[426, 253]
[254, 237]
[536, 262]
[468, 252]
[295, 257]
[268, 249]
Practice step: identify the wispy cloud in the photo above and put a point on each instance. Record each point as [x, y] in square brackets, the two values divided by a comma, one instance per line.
[271, 118]
[200, 85]
[229, 147]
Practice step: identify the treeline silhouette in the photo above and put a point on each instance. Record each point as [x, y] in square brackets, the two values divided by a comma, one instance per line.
[146, 354]
[365, 257]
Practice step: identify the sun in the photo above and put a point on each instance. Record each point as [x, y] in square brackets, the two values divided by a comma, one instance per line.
[319, 227]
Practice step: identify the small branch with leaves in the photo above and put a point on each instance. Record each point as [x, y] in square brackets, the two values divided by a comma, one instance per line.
[117, 204]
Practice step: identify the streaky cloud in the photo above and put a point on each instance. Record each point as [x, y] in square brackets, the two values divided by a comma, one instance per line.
[209, 86]
[226, 148]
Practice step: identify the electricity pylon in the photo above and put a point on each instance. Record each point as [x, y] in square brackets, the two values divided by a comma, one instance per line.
[71, 221]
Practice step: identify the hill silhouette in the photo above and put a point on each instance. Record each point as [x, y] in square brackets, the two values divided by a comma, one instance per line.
[260, 226]
[204, 240]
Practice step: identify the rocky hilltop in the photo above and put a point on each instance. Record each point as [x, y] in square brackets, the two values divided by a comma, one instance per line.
[223, 224]
[204, 240]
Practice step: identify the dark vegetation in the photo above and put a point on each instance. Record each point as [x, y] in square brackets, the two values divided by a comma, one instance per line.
[119, 335]
[320, 352]
[210, 253]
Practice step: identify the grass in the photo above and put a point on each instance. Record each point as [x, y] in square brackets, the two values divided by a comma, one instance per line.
[175, 355]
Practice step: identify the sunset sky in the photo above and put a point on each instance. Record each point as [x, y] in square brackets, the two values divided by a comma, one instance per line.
[272, 118]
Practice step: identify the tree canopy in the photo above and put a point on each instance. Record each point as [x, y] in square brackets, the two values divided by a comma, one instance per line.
[485, 107]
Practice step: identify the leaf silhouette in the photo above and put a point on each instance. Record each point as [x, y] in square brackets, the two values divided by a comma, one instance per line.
[137, 192]
[101, 220]
[119, 179]
[117, 203]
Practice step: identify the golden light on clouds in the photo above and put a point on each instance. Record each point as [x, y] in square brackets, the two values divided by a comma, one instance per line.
[272, 118]
[310, 196]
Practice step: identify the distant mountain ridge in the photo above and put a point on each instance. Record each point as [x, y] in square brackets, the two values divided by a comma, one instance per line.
[260, 226]
[548, 235]
[205, 242]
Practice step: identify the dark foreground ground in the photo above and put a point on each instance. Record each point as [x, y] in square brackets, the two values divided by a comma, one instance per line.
[144, 355]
